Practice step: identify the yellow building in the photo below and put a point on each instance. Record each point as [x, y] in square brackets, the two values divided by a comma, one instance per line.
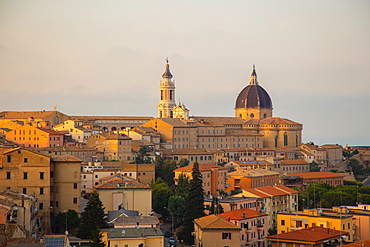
[118, 192]
[30, 136]
[28, 172]
[213, 231]
[65, 175]
[30, 117]
[292, 221]
[54, 181]
[273, 199]
[115, 146]
[127, 237]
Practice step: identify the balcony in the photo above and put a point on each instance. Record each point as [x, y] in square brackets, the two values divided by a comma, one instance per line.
[259, 227]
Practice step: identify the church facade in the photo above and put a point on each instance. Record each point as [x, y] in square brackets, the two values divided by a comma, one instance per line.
[253, 120]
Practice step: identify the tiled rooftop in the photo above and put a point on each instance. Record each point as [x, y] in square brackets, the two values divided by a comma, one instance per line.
[214, 222]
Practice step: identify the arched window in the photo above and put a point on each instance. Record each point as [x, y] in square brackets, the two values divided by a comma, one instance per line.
[171, 94]
[56, 120]
[264, 115]
[161, 94]
[160, 114]
[276, 141]
[114, 128]
[285, 139]
[171, 114]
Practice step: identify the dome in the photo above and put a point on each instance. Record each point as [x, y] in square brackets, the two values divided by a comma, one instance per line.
[253, 95]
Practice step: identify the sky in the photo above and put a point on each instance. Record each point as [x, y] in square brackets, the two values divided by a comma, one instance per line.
[106, 58]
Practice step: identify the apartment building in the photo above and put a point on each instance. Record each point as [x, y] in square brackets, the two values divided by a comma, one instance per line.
[21, 209]
[213, 230]
[118, 192]
[84, 153]
[298, 220]
[251, 178]
[214, 177]
[30, 136]
[273, 199]
[115, 146]
[254, 226]
[54, 181]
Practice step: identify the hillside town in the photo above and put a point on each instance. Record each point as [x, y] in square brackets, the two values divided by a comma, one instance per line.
[178, 179]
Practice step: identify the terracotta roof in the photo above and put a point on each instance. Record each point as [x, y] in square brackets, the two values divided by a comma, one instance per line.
[257, 193]
[194, 151]
[204, 167]
[307, 175]
[65, 148]
[113, 136]
[272, 191]
[329, 146]
[213, 222]
[268, 191]
[241, 214]
[65, 157]
[312, 234]
[220, 120]
[294, 162]
[133, 220]
[277, 120]
[176, 122]
[258, 172]
[121, 184]
[287, 189]
[24, 114]
[365, 243]
[51, 132]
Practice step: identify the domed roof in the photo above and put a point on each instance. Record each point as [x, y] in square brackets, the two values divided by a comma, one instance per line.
[253, 95]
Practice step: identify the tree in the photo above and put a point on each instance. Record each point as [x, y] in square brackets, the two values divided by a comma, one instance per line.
[176, 205]
[92, 217]
[160, 195]
[64, 221]
[96, 239]
[336, 198]
[143, 156]
[194, 204]
[164, 169]
[183, 162]
[316, 191]
[355, 166]
[314, 167]
[182, 186]
[216, 207]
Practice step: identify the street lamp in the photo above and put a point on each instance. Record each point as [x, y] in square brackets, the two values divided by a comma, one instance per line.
[171, 219]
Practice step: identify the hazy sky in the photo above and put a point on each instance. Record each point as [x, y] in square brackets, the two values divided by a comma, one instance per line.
[106, 58]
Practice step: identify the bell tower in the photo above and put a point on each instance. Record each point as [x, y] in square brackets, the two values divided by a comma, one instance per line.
[167, 94]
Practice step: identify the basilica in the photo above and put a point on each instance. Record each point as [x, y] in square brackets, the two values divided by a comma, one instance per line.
[253, 125]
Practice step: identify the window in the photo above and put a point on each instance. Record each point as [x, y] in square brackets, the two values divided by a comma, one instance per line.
[285, 139]
[8, 175]
[41, 205]
[75, 200]
[56, 204]
[25, 160]
[41, 191]
[24, 190]
[226, 235]
[283, 222]
[25, 175]
[9, 158]
[51, 174]
[75, 186]
[42, 175]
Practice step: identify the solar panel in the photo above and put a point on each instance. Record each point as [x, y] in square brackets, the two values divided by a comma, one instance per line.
[54, 241]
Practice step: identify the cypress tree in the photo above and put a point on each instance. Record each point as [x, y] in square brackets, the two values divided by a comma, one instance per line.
[194, 204]
[92, 217]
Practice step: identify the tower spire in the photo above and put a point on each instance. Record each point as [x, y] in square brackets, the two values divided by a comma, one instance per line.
[167, 73]
[253, 80]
